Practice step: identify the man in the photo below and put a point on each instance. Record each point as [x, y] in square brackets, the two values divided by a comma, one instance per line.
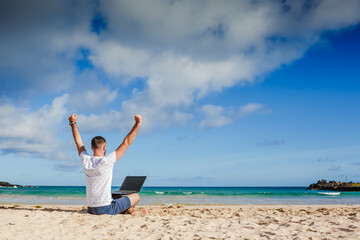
[99, 170]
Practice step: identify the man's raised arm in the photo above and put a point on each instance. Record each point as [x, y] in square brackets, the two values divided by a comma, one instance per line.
[79, 144]
[129, 138]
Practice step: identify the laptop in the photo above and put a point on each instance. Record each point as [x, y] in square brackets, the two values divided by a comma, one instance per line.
[131, 184]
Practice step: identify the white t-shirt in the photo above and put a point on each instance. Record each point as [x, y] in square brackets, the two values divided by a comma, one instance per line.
[99, 171]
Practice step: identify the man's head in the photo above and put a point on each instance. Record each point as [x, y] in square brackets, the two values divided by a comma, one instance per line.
[98, 145]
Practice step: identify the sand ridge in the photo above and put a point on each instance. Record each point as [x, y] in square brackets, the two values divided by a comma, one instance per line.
[183, 222]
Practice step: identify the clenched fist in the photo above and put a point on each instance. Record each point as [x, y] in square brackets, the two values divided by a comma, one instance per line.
[138, 118]
[73, 118]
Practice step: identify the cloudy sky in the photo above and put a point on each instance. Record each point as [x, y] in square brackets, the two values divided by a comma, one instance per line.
[232, 93]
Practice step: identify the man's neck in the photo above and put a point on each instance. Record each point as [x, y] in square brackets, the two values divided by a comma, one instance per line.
[99, 154]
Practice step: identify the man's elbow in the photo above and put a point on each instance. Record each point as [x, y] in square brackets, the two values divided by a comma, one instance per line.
[126, 143]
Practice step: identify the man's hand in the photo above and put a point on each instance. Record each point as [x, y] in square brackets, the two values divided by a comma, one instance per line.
[138, 118]
[73, 118]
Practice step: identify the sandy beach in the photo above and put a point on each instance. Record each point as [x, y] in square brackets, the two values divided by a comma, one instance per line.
[183, 222]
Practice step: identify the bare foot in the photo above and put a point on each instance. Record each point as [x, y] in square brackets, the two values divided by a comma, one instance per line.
[131, 210]
[145, 211]
[140, 212]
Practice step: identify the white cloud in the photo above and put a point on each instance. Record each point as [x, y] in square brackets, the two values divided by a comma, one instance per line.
[181, 50]
[32, 58]
[184, 50]
[103, 122]
[124, 120]
[28, 133]
[92, 98]
[214, 116]
[89, 94]
[196, 27]
[250, 108]
[217, 116]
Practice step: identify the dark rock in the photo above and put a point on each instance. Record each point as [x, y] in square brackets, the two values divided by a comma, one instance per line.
[335, 186]
[9, 185]
[6, 184]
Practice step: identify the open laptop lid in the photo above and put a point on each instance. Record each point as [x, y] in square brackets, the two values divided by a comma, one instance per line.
[133, 183]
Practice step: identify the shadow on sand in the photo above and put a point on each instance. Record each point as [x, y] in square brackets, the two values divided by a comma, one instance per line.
[81, 210]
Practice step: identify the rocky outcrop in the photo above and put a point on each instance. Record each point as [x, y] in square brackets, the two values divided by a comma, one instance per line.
[6, 184]
[335, 186]
[9, 185]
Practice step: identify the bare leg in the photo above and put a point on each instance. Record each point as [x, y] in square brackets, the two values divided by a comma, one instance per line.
[134, 199]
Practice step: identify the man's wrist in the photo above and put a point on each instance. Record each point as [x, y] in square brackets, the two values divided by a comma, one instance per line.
[72, 123]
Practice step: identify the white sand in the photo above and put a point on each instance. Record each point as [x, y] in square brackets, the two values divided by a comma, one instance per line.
[183, 222]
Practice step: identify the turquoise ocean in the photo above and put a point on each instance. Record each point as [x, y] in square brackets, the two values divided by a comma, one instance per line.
[184, 195]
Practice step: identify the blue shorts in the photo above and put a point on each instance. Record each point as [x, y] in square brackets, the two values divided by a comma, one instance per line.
[117, 206]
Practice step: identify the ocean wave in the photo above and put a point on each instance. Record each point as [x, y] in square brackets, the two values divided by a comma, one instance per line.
[159, 193]
[330, 193]
[187, 193]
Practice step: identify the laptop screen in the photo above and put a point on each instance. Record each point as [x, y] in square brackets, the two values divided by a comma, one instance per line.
[133, 183]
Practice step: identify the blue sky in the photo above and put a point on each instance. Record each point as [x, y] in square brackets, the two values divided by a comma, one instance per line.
[232, 93]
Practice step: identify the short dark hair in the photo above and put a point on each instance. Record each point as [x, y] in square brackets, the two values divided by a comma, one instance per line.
[97, 141]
